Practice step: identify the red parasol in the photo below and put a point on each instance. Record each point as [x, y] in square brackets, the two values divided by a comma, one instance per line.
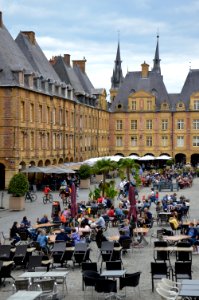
[73, 201]
[132, 200]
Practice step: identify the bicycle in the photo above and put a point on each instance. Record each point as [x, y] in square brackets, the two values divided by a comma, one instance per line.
[31, 196]
[47, 198]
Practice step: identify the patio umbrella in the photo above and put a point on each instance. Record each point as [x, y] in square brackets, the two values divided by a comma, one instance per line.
[73, 201]
[147, 157]
[132, 200]
[163, 157]
[33, 169]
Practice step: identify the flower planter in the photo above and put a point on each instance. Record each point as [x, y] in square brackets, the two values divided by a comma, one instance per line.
[16, 203]
[85, 183]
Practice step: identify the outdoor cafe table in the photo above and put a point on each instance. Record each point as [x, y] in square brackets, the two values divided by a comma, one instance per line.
[37, 226]
[174, 248]
[113, 273]
[142, 232]
[176, 238]
[113, 238]
[26, 295]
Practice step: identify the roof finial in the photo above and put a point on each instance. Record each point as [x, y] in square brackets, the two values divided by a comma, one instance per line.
[157, 33]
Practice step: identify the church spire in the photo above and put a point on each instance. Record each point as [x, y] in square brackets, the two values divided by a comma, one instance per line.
[156, 61]
[117, 77]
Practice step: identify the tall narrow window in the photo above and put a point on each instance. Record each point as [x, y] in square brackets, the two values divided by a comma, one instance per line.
[60, 117]
[40, 113]
[134, 125]
[119, 125]
[60, 141]
[195, 141]
[54, 116]
[134, 141]
[54, 141]
[180, 124]
[195, 124]
[32, 117]
[149, 141]
[66, 118]
[149, 124]
[149, 105]
[196, 105]
[48, 115]
[164, 141]
[119, 141]
[32, 141]
[164, 124]
[133, 105]
[22, 111]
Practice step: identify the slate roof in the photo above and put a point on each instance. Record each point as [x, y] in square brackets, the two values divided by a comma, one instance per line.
[11, 59]
[134, 82]
[191, 85]
[174, 99]
[84, 80]
[36, 57]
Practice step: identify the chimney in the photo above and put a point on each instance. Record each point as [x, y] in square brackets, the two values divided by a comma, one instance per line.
[81, 64]
[31, 36]
[53, 60]
[145, 70]
[67, 59]
[1, 19]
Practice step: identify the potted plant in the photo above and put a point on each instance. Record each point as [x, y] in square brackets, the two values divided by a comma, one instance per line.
[18, 187]
[84, 174]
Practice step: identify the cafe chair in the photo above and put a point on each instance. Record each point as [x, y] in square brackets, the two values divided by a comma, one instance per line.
[166, 287]
[5, 252]
[19, 257]
[58, 252]
[80, 252]
[114, 265]
[182, 255]
[158, 271]
[5, 272]
[170, 282]
[166, 295]
[130, 280]
[182, 270]
[89, 279]
[106, 252]
[5, 237]
[48, 288]
[127, 246]
[161, 255]
[88, 266]
[21, 284]
[106, 286]
[34, 261]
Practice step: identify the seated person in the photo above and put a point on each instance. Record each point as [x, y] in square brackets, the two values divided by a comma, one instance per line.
[123, 236]
[14, 233]
[22, 229]
[174, 221]
[75, 237]
[99, 223]
[62, 236]
[193, 233]
[42, 239]
[146, 218]
[119, 212]
[126, 227]
[56, 219]
[26, 222]
[111, 213]
[43, 220]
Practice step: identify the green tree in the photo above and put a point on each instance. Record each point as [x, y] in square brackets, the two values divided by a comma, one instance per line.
[127, 164]
[104, 166]
[18, 185]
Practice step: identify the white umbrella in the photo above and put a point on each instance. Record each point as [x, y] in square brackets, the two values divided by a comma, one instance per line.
[147, 157]
[114, 157]
[135, 157]
[164, 157]
[33, 169]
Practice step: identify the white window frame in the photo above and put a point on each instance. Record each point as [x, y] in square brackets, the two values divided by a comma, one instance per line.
[196, 124]
[195, 141]
[134, 141]
[180, 124]
[119, 141]
[164, 124]
[119, 124]
[180, 141]
[149, 124]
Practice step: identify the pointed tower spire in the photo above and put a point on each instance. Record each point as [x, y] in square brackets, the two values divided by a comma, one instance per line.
[156, 61]
[117, 77]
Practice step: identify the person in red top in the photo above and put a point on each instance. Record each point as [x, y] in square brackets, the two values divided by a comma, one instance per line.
[47, 190]
[111, 212]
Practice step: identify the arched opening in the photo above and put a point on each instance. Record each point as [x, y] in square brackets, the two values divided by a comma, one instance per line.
[167, 154]
[195, 159]
[22, 165]
[47, 162]
[180, 158]
[81, 158]
[40, 163]
[54, 161]
[133, 154]
[66, 160]
[119, 154]
[32, 163]
[61, 161]
[2, 177]
[149, 154]
[71, 160]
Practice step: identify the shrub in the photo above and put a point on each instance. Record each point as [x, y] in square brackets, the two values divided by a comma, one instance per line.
[84, 171]
[18, 185]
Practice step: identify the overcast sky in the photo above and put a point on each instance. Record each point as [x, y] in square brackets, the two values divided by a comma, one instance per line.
[90, 28]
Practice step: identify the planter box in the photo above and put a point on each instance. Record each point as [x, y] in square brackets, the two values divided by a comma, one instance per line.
[98, 178]
[85, 183]
[16, 203]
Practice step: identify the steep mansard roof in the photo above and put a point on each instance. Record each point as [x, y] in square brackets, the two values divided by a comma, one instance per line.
[84, 80]
[36, 57]
[134, 82]
[191, 85]
[11, 59]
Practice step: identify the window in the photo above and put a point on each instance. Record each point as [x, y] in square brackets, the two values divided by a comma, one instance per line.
[60, 117]
[149, 105]
[54, 141]
[66, 118]
[66, 142]
[72, 120]
[71, 142]
[196, 141]
[60, 141]
[195, 124]
[119, 125]
[133, 124]
[22, 111]
[196, 105]
[81, 122]
[180, 124]
[40, 140]
[118, 141]
[40, 113]
[164, 141]
[133, 105]
[180, 141]
[149, 141]
[32, 141]
[47, 140]
[31, 112]
[149, 124]
[164, 124]
[48, 115]
[134, 141]
[54, 116]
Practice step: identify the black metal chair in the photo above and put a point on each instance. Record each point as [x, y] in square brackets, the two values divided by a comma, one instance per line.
[58, 252]
[131, 280]
[106, 252]
[89, 279]
[159, 271]
[114, 265]
[19, 257]
[5, 252]
[127, 246]
[161, 255]
[184, 255]
[80, 252]
[88, 266]
[182, 270]
[5, 272]
[106, 286]
[49, 288]
[34, 261]
[67, 256]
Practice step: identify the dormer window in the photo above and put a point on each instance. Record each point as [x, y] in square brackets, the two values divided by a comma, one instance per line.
[180, 106]
[164, 106]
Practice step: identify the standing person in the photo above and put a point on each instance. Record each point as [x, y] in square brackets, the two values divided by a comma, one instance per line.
[14, 233]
